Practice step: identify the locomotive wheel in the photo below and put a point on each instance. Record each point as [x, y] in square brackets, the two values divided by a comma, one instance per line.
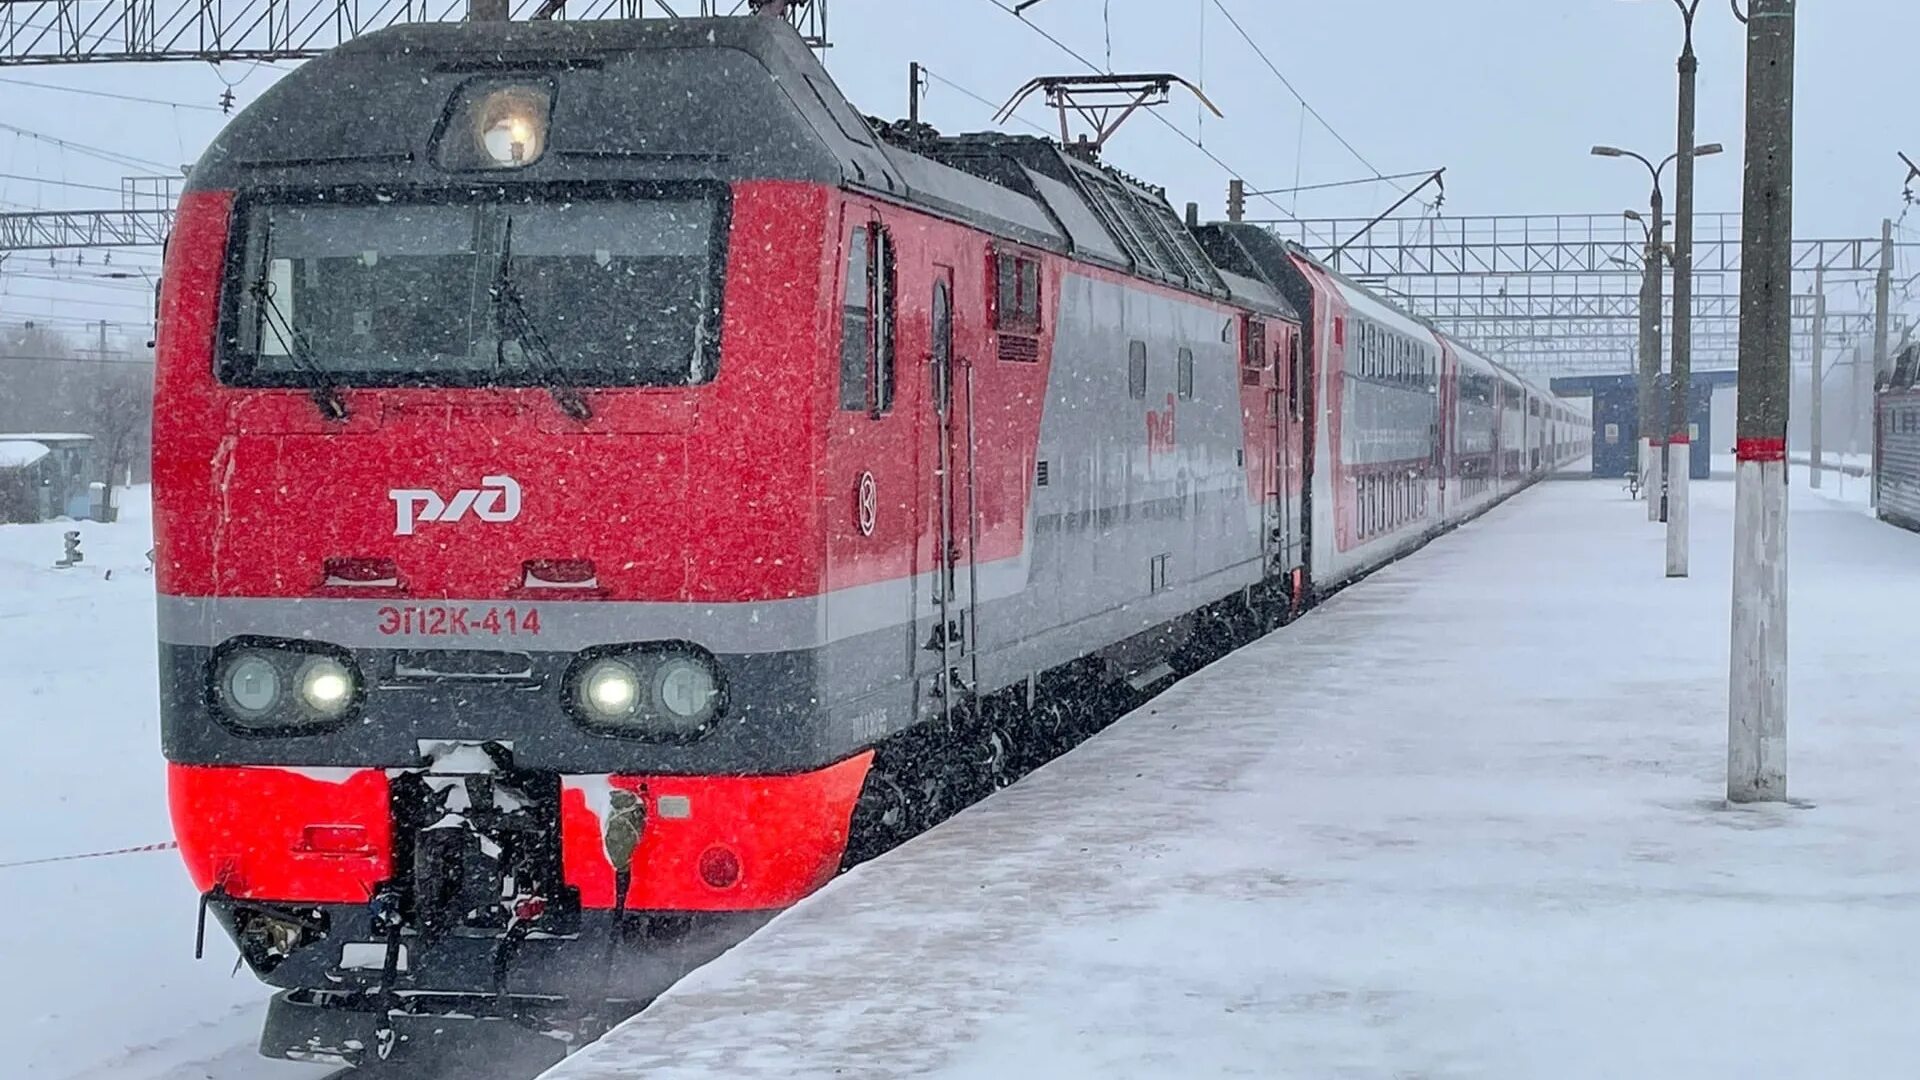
[997, 759]
[1057, 728]
[883, 818]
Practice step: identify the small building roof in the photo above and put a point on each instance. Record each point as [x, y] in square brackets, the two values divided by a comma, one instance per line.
[20, 453]
[43, 436]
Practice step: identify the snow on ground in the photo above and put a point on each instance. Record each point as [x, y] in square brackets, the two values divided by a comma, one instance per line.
[1465, 821]
[1834, 459]
[1376, 851]
[1835, 486]
[101, 981]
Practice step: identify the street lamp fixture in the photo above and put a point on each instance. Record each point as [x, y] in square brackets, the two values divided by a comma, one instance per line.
[1703, 150]
[1646, 230]
[1654, 396]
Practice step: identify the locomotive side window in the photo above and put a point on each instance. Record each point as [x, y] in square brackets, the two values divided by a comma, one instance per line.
[856, 325]
[1186, 374]
[867, 324]
[1137, 370]
[1029, 292]
[1006, 289]
[942, 322]
[1297, 377]
[1016, 293]
[884, 333]
[1253, 350]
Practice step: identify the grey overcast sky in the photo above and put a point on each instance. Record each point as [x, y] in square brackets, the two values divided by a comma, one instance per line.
[1507, 94]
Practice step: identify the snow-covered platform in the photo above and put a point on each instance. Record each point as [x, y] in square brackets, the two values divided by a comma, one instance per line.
[1464, 821]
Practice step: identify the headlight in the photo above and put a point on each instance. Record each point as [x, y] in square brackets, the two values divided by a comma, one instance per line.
[250, 686]
[685, 688]
[512, 135]
[650, 693]
[268, 686]
[326, 685]
[496, 125]
[610, 691]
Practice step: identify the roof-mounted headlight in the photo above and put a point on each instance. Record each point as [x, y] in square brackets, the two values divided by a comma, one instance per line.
[495, 125]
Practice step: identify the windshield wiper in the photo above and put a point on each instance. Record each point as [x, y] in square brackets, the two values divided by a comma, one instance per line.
[511, 319]
[325, 394]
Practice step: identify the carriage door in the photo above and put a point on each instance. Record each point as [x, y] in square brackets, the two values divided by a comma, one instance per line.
[949, 652]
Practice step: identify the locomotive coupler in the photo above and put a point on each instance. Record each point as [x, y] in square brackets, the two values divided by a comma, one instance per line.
[477, 851]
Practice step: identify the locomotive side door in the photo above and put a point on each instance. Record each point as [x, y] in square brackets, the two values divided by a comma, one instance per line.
[948, 654]
[1286, 407]
[1273, 465]
[871, 521]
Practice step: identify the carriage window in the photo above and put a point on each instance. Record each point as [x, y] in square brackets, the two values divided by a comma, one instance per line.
[856, 326]
[1137, 370]
[1186, 374]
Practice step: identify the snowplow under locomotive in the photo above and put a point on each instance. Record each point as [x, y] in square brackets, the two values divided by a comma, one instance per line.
[600, 475]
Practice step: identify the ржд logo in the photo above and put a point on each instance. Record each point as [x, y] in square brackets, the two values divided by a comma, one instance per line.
[496, 500]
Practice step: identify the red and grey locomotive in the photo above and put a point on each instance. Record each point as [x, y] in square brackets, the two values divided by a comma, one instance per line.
[599, 474]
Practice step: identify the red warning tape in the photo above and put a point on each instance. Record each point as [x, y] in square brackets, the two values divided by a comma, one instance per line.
[168, 846]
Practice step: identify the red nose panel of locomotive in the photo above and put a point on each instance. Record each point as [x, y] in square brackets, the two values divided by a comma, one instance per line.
[441, 500]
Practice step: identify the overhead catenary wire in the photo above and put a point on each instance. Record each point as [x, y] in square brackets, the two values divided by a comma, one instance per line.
[120, 305]
[53, 182]
[10, 276]
[1164, 122]
[127, 359]
[1199, 111]
[141, 282]
[112, 157]
[1291, 89]
[1344, 183]
[28, 322]
[135, 98]
[990, 106]
[1106, 21]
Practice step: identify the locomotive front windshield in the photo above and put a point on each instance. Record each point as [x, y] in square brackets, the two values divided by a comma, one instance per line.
[390, 292]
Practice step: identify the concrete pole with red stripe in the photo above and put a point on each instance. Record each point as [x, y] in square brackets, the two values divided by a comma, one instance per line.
[1757, 702]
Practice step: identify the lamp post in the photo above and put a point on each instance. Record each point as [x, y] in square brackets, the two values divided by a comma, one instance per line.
[1651, 398]
[1650, 290]
[1679, 436]
[1816, 411]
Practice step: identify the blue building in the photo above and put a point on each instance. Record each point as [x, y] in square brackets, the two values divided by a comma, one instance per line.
[1616, 419]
